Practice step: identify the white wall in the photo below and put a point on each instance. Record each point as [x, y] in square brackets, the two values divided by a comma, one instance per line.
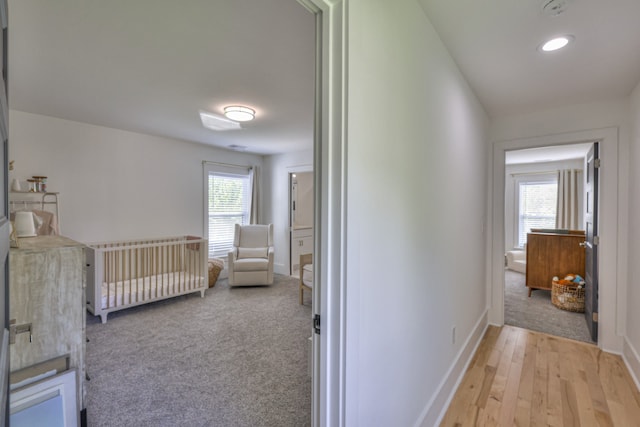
[580, 121]
[511, 188]
[416, 197]
[275, 182]
[632, 339]
[596, 115]
[115, 184]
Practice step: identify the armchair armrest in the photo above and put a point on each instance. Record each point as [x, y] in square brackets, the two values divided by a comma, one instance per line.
[232, 255]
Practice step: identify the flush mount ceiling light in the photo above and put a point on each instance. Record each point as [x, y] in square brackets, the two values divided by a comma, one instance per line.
[556, 43]
[217, 122]
[239, 113]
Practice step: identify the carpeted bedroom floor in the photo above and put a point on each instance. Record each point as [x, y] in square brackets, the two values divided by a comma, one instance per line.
[537, 313]
[237, 357]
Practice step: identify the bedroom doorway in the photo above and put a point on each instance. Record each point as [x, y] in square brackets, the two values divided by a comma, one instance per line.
[301, 215]
[545, 195]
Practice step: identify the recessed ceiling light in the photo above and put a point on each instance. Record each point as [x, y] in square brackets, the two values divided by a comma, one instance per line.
[239, 113]
[556, 43]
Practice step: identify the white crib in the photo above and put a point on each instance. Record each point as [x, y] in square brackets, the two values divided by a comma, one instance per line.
[127, 273]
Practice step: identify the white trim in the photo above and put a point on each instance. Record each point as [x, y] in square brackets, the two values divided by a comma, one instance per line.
[63, 385]
[612, 298]
[632, 360]
[437, 407]
[329, 301]
[222, 169]
[300, 168]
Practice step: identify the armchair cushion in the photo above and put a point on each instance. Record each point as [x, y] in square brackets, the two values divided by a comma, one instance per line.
[252, 253]
[251, 264]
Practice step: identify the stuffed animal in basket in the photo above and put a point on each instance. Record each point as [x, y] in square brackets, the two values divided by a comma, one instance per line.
[570, 280]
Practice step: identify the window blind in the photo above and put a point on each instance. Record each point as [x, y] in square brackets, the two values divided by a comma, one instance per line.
[537, 207]
[229, 201]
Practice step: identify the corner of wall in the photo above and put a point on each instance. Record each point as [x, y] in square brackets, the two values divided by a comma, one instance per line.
[280, 268]
[437, 407]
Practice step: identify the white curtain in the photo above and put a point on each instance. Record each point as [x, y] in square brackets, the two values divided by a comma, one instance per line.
[568, 206]
[253, 179]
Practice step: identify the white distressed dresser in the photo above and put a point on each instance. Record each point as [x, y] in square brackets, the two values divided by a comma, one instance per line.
[47, 294]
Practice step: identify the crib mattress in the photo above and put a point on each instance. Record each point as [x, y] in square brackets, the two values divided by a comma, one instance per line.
[147, 288]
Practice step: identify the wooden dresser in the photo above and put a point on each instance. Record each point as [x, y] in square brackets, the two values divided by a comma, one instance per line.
[47, 292]
[553, 254]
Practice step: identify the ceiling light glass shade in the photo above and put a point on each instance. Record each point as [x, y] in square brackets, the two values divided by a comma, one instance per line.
[239, 113]
[556, 43]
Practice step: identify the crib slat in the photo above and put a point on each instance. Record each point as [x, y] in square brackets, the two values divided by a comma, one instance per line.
[129, 275]
[193, 266]
[158, 271]
[107, 272]
[176, 268]
[163, 269]
[118, 276]
[127, 257]
[136, 263]
[175, 255]
[153, 270]
[146, 273]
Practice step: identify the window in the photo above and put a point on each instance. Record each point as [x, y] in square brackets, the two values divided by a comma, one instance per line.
[536, 201]
[228, 202]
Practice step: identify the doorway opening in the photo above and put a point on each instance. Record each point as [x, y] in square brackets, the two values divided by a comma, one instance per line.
[549, 269]
[301, 217]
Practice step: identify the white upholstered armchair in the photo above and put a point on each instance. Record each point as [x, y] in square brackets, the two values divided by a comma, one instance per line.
[251, 259]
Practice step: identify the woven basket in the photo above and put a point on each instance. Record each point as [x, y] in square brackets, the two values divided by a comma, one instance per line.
[570, 298]
[215, 267]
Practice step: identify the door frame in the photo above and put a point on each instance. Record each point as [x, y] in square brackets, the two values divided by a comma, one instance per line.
[612, 308]
[330, 180]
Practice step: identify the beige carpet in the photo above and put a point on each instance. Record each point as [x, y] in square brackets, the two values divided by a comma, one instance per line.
[237, 357]
[537, 313]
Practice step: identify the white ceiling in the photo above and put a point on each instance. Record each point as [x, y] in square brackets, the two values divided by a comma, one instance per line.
[149, 66]
[494, 42]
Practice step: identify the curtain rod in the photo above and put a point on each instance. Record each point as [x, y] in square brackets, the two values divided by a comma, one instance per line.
[543, 172]
[206, 162]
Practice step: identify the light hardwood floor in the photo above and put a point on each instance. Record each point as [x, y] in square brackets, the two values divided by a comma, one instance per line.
[524, 378]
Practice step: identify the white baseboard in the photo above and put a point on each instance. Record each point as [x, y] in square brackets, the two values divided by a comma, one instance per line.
[280, 269]
[436, 408]
[632, 360]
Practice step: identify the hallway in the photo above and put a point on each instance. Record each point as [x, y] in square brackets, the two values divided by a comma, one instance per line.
[521, 377]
